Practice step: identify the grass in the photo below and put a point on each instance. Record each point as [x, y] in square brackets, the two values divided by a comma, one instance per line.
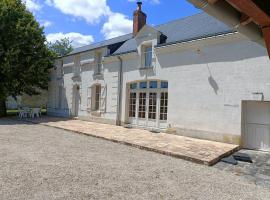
[15, 112]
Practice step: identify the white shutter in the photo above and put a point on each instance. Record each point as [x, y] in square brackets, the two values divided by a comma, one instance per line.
[80, 96]
[89, 99]
[103, 98]
[93, 97]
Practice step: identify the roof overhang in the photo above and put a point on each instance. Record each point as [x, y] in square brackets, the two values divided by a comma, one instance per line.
[249, 17]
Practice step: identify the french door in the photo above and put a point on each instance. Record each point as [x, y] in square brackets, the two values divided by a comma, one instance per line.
[148, 108]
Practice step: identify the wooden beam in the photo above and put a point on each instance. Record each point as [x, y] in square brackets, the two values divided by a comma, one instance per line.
[212, 1]
[266, 35]
[245, 20]
[252, 10]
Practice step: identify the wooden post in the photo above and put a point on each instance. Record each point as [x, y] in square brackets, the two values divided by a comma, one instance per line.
[266, 35]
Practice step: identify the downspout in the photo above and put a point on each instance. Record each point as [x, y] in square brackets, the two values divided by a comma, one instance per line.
[120, 89]
[227, 14]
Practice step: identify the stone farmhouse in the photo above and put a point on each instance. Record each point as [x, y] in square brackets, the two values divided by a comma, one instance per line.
[193, 76]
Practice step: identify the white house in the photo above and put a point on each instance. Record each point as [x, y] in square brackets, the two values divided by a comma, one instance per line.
[193, 76]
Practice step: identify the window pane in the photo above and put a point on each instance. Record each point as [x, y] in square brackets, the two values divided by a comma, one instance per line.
[148, 57]
[132, 105]
[164, 84]
[97, 97]
[142, 105]
[133, 86]
[152, 105]
[153, 84]
[163, 106]
[143, 85]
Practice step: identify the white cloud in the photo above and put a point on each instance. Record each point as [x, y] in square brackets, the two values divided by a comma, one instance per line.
[77, 39]
[117, 24]
[89, 10]
[32, 5]
[45, 23]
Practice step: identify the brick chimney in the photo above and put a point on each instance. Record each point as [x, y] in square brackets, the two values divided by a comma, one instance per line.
[139, 19]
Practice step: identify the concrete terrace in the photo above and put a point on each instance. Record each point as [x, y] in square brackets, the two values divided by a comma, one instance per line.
[195, 150]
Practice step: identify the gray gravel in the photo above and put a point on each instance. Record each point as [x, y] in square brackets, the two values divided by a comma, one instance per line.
[38, 162]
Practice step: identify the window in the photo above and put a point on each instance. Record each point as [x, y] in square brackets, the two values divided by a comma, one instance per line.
[142, 105]
[133, 86]
[148, 101]
[153, 84]
[148, 57]
[143, 85]
[89, 90]
[96, 89]
[152, 105]
[163, 105]
[132, 104]
[164, 85]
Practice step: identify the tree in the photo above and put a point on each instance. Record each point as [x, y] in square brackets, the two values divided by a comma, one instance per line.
[61, 47]
[25, 59]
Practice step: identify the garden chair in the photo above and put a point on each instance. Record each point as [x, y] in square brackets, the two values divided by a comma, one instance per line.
[35, 112]
[24, 112]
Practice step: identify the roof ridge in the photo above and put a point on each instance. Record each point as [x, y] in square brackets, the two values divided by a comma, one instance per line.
[180, 19]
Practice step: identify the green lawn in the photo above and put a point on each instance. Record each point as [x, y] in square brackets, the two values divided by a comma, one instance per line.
[15, 112]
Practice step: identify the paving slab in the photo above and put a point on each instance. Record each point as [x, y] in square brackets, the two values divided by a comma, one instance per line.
[195, 150]
[258, 171]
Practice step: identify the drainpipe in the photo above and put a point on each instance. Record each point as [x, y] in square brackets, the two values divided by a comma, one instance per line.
[227, 14]
[120, 89]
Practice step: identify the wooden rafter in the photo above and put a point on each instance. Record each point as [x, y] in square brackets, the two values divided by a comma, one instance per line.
[252, 10]
[212, 1]
[245, 20]
[266, 34]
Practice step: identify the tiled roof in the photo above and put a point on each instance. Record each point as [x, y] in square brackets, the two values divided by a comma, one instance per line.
[104, 43]
[193, 27]
[196, 26]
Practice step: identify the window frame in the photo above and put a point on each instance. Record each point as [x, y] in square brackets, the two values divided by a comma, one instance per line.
[147, 56]
[153, 108]
[96, 97]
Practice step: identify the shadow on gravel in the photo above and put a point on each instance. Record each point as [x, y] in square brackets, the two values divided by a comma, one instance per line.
[29, 121]
[12, 121]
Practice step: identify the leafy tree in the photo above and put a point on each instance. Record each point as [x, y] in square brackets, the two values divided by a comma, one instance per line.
[61, 47]
[25, 59]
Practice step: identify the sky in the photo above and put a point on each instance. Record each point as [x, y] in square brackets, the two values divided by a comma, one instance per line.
[90, 21]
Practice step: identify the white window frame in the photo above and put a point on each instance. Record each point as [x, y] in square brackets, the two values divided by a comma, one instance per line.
[147, 56]
[89, 98]
[94, 99]
[152, 116]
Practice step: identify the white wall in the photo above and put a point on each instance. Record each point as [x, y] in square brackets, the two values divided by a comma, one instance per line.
[208, 79]
[84, 62]
[206, 87]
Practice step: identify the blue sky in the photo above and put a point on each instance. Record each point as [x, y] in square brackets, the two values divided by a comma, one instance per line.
[89, 21]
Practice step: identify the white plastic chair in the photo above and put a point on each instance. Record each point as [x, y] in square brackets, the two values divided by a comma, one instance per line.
[35, 112]
[24, 112]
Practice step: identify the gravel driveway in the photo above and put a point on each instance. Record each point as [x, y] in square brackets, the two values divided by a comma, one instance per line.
[38, 162]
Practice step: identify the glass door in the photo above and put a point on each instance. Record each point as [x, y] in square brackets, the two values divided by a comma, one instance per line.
[142, 113]
[133, 108]
[152, 109]
[148, 104]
